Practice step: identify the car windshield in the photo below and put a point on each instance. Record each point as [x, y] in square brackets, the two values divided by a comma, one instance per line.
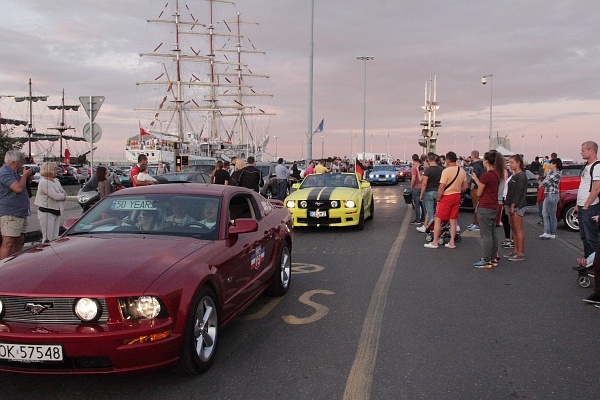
[383, 168]
[330, 180]
[153, 214]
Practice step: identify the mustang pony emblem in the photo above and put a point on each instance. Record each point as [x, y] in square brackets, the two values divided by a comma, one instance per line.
[37, 309]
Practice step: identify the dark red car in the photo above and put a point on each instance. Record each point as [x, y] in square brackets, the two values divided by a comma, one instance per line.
[567, 189]
[144, 280]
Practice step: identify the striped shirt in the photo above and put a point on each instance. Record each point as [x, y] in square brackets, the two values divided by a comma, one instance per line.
[550, 183]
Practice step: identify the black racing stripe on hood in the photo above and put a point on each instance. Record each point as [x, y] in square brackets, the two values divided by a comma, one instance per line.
[314, 194]
[326, 193]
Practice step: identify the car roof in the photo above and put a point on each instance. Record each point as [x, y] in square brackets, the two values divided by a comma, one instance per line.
[182, 188]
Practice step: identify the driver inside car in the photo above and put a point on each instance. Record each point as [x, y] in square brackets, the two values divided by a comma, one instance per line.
[179, 216]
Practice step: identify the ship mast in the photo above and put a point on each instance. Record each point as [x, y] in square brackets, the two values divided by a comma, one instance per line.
[30, 129]
[61, 128]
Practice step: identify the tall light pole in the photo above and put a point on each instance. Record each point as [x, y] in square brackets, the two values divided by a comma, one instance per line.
[365, 59]
[302, 149]
[484, 80]
[322, 147]
[309, 132]
[275, 146]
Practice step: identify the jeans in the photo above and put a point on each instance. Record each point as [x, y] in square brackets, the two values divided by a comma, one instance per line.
[281, 189]
[588, 228]
[416, 202]
[430, 200]
[487, 230]
[549, 213]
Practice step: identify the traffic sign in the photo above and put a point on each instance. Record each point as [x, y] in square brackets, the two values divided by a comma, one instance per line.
[96, 133]
[91, 108]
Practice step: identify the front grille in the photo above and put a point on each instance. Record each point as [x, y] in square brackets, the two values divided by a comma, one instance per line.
[319, 221]
[322, 204]
[59, 310]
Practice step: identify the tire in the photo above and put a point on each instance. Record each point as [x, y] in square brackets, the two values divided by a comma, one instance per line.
[457, 238]
[570, 218]
[371, 209]
[283, 273]
[202, 330]
[584, 281]
[361, 220]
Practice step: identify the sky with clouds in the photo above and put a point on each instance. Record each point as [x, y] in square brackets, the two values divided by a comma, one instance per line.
[544, 57]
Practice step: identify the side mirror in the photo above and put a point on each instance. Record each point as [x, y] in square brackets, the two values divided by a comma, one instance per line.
[296, 185]
[243, 225]
[365, 184]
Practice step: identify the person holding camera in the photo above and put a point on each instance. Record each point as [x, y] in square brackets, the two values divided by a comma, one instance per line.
[14, 203]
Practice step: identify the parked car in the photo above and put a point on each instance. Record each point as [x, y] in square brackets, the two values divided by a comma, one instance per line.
[188, 176]
[383, 174]
[532, 188]
[156, 293]
[36, 174]
[567, 191]
[65, 175]
[80, 172]
[268, 183]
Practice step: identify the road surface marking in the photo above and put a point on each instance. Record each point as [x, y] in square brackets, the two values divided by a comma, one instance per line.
[358, 385]
[320, 310]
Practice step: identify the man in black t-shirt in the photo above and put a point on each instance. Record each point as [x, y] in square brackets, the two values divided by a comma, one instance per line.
[478, 168]
[429, 189]
[250, 176]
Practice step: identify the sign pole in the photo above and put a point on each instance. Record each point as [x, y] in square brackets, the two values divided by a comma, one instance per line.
[91, 140]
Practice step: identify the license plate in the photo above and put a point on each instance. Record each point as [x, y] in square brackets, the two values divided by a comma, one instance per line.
[317, 214]
[30, 353]
[532, 190]
[382, 179]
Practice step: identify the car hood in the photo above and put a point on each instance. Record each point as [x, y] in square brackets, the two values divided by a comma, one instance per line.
[323, 193]
[93, 265]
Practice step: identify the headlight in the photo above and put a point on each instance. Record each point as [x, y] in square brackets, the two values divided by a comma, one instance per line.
[290, 204]
[143, 307]
[88, 310]
[371, 176]
[350, 204]
[82, 198]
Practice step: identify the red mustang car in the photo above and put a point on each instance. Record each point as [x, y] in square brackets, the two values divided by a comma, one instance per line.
[144, 280]
[567, 189]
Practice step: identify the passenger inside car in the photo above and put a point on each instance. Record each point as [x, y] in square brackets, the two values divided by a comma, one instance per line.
[210, 213]
[180, 214]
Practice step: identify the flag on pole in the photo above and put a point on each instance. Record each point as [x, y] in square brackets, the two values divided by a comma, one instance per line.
[320, 127]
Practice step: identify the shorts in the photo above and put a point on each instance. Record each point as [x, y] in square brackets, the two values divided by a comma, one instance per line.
[447, 207]
[519, 211]
[13, 226]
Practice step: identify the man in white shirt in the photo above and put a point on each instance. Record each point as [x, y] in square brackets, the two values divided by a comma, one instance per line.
[588, 204]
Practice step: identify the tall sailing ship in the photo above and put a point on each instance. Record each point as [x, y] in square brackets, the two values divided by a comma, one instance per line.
[206, 102]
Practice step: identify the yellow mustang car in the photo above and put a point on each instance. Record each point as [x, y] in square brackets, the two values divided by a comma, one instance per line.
[338, 199]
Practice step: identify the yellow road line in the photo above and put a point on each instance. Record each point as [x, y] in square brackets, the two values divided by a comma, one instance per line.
[358, 385]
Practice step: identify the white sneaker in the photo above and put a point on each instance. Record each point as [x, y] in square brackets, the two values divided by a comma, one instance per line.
[544, 236]
[421, 228]
[430, 246]
[457, 228]
[551, 236]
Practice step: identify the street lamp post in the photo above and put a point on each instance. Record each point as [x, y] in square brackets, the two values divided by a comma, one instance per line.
[365, 59]
[302, 149]
[322, 148]
[275, 146]
[484, 80]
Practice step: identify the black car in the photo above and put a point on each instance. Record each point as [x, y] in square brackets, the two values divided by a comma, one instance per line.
[532, 189]
[188, 176]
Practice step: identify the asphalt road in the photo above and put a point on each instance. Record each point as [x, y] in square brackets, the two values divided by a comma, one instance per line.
[373, 314]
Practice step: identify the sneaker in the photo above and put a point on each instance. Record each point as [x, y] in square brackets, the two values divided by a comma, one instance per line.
[430, 246]
[483, 264]
[593, 299]
[509, 255]
[509, 245]
[470, 226]
[551, 236]
[421, 228]
[516, 257]
[473, 228]
[448, 245]
[457, 228]
[544, 236]
[505, 242]
[495, 262]
[415, 222]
